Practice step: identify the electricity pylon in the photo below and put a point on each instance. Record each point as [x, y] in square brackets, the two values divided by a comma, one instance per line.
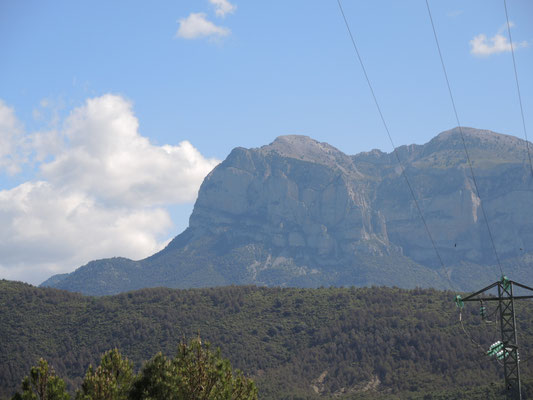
[507, 349]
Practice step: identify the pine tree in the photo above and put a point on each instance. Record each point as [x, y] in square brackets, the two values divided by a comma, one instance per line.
[112, 379]
[42, 384]
[195, 373]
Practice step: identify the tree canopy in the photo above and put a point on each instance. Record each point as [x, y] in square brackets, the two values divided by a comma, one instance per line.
[42, 384]
[194, 373]
[294, 343]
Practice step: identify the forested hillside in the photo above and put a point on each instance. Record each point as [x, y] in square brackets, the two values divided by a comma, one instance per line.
[295, 343]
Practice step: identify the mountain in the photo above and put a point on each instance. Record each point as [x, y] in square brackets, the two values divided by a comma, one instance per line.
[298, 212]
[329, 343]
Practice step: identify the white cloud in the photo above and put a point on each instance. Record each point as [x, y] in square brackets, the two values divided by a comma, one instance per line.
[48, 230]
[107, 157]
[12, 143]
[197, 26]
[223, 7]
[102, 194]
[483, 46]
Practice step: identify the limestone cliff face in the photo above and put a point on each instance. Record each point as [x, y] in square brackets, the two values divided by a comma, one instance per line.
[298, 212]
[296, 195]
[443, 185]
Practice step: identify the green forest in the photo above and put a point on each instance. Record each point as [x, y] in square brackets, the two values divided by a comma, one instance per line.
[344, 343]
[194, 373]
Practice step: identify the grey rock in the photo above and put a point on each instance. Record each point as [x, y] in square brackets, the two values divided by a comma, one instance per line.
[298, 212]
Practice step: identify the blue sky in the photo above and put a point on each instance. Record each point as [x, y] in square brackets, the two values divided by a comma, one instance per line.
[84, 84]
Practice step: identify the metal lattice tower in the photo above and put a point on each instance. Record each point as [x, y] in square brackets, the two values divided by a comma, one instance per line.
[508, 347]
[511, 362]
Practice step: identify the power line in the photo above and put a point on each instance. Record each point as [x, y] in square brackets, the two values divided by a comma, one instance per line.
[390, 137]
[400, 164]
[483, 351]
[518, 86]
[505, 287]
[403, 169]
[463, 139]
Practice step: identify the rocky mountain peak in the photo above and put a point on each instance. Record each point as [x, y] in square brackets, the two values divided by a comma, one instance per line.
[292, 193]
[298, 212]
[446, 150]
[304, 148]
[472, 133]
[491, 142]
[298, 146]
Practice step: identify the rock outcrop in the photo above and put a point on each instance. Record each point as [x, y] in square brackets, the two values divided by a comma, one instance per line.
[299, 212]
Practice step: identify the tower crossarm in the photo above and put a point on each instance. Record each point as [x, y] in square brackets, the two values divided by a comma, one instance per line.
[506, 349]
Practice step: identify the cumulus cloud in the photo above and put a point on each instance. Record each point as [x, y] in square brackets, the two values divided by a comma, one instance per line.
[196, 26]
[107, 157]
[48, 230]
[483, 46]
[102, 193]
[12, 142]
[223, 7]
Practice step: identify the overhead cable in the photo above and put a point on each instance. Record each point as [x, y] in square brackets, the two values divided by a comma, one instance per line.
[518, 86]
[464, 142]
[389, 135]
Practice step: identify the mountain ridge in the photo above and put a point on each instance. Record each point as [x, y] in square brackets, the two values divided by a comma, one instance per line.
[298, 212]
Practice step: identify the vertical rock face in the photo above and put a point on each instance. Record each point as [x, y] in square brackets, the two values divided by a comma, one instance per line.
[299, 212]
[443, 184]
[295, 194]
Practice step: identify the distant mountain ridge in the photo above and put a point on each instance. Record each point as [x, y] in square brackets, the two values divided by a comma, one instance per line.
[298, 212]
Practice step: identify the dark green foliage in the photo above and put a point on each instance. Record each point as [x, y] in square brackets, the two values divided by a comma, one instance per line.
[112, 380]
[195, 373]
[373, 342]
[42, 384]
